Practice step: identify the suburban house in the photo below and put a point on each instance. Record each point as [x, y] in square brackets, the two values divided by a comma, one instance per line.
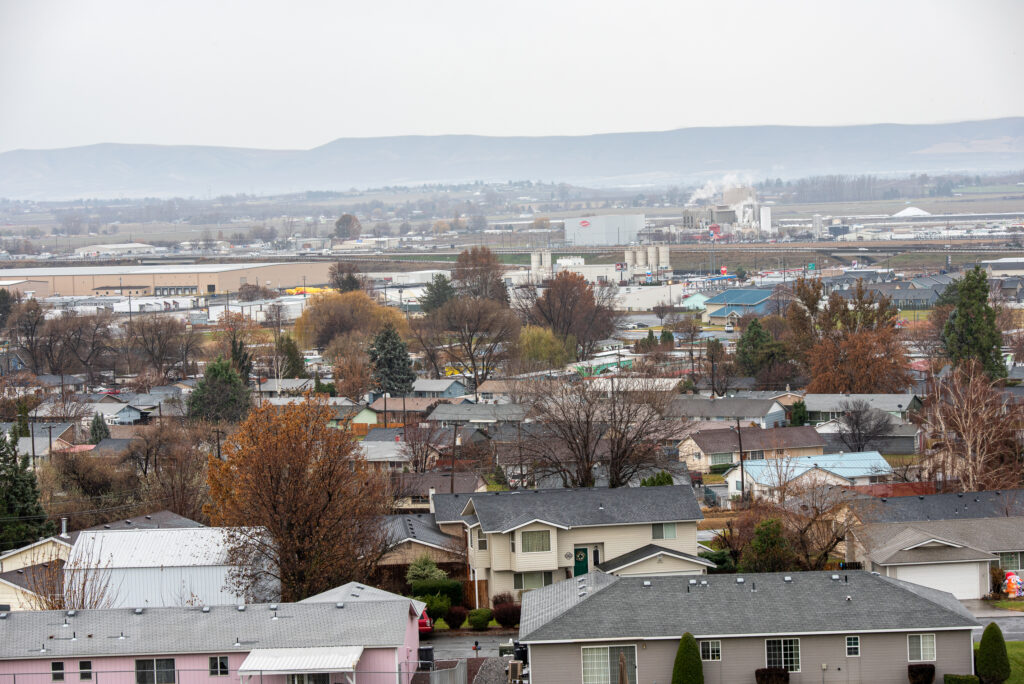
[343, 408]
[460, 414]
[361, 638]
[412, 491]
[389, 455]
[410, 410]
[819, 626]
[769, 478]
[412, 536]
[786, 398]
[495, 391]
[825, 407]
[901, 438]
[718, 447]
[284, 387]
[731, 305]
[435, 389]
[158, 567]
[764, 413]
[112, 412]
[526, 539]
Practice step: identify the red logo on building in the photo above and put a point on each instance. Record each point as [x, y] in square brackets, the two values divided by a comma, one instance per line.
[584, 223]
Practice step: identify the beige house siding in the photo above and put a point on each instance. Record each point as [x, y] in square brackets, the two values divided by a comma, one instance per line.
[16, 598]
[883, 659]
[665, 565]
[699, 462]
[407, 552]
[43, 552]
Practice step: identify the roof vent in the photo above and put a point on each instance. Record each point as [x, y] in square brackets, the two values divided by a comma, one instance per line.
[693, 581]
[884, 499]
[339, 604]
[238, 641]
[849, 598]
[647, 583]
[787, 578]
[740, 580]
[241, 608]
[3, 616]
[581, 594]
[273, 606]
[206, 609]
[835, 578]
[960, 495]
[138, 611]
[703, 583]
[149, 517]
[921, 497]
[72, 613]
[275, 616]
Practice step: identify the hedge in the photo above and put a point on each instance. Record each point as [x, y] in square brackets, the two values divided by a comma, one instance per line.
[456, 614]
[507, 614]
[921, 673]
[771, 675]
[960, 679]
[480, 618]
[450, 588]
[720, 469]
[687, 668]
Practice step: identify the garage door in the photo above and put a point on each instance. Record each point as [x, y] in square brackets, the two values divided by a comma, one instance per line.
[963, 580]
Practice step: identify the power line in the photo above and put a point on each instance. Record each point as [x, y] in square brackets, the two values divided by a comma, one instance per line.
[90, 512]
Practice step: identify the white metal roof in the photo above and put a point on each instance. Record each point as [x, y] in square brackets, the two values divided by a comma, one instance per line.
[8, 273]
[295, 660]
[184, 547]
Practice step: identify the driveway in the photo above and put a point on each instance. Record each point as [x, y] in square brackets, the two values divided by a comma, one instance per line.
[1013, 627]
[983, 609]
[461, 645]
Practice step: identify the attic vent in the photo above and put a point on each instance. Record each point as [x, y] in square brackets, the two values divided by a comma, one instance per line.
[3, 616]
[72, 613]
[959, 495]
[138, 611]
[849, 598]
[339, 604]
[647, 583]
[273, 606]
[835, 578]
[241, 608]
[876, 573]
[206, 609]
[787, 578]
[703, 583]
[693, 581]
[149, 517]
[740, 580]
[581, 594]
[921, 497]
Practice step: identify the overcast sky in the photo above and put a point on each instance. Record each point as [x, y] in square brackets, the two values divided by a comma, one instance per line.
[299, 74]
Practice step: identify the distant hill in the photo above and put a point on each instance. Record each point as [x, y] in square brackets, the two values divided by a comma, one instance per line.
[616, 159]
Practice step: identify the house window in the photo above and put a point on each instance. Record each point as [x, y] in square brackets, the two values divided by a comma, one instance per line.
[711, 650]
[755, 454]
[219, 666]
[531, 580]
[920, 647]
[154, 671]
[310, 678]
[481, 540]
[512, 542]
[720, 459]
[85, 670]
[783, 653]
[601, 664]
[663, 531]
[1010, 560]
[537, 541]
[57, 672]
[853, 647]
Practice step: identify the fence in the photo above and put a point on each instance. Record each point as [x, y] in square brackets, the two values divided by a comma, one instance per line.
[452, 675]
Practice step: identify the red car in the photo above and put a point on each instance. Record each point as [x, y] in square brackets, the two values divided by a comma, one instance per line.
[426, 624]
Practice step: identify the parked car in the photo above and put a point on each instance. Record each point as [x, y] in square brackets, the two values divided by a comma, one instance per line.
[729, 327]
[426, 624]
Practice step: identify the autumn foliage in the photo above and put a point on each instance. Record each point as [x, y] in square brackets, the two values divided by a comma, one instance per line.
[303, 509]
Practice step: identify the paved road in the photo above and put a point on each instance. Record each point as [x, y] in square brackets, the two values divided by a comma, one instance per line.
[1013, 627]
[446, 647]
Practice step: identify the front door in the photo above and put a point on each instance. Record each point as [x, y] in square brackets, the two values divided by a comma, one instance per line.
[581, 566]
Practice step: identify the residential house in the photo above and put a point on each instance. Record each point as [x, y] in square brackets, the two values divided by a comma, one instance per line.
[389, 455]
[948, 555]
[412, 491]
[412, 536]
[606, 385]
[825, 407]
[28, 588]
[495, 391]
[1003, 503]
[344, 409]
[706, 448]
[770, 478]
[461, 414]
[42, 436]
[65, 384]
[732, 304]
[284, 387]
[527, 539]
[365, 637]
[408, 410]
[764, 413]
[160, 567]
[435, 389]
[112, 413]
[819, 626]
[901, 438]
[784, 397]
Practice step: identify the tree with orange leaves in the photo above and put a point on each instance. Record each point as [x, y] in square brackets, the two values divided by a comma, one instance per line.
[302, 509]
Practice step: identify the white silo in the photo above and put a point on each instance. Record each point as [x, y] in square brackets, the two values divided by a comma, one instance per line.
[630, 259]
[652, 256]
[534, 262]
[545, 258]
[641, 257]
[664, 257]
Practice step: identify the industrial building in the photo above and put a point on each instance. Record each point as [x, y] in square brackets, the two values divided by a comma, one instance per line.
[169, 279]
[607, 229]
[648, 264]
[117, 249]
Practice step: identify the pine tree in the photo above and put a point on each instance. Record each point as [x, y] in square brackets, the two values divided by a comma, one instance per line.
[241, 359]
[21, 427]
[750, 350]
[294, 365]
[993, 661]
[667, 338]
[220, 395]
[98, 430]
[768, 551]
[392, 367]
[688, 668]
[22, 518]
[437, 293]
[798, 414]
[971, 331]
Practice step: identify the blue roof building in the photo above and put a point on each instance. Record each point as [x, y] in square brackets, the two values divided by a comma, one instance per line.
[765, 477]
[731, 305]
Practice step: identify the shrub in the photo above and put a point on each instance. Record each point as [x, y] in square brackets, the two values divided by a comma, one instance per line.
[959, 679]
[437, 605]
[718, 470]
[480, 618]
[503, 597]
[450, 588]
[424, 568]
[688, 668]
[993, 665]
[921, 673]
[771, 675]
[507, 614]
[456, 617]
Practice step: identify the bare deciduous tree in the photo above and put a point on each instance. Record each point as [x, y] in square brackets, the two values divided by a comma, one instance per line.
[860, 424]
[74, 585]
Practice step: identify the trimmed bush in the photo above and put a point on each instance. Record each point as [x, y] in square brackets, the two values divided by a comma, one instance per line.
[688, 669]
[771, 675]
[424, 569]
[993, 665]
[480, 618]
[456, 617]
[507, 614]
[959, 679]
[437, 605]
[450, 588]
[503, 597]
[921, 673]
[718, 470]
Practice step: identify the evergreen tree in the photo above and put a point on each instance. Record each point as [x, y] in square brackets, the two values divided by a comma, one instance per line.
[392, 367]
[993, 662]
[688, 668]
[21, 427]
[22, 518]
[798, 414]
[241, 359]
[220, 395]
[971, 331]
[6, 304]
[98, 430]
[294, 365]
[661, 479]
[768, 551]
[750, 350]
[667, 338]
[424, 569]
[437, 293]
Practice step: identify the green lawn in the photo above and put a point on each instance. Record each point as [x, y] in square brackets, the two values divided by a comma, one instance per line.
[1009, 604]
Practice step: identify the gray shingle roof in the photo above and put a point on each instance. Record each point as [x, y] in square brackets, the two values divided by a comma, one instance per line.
[952, 506]
[502, 511]
[622, 607]
[883, 402]
[978, 538]
[704, 407]
[649, 551]
[417, 528]
[190, 630]
[467, 412]
[756, 439]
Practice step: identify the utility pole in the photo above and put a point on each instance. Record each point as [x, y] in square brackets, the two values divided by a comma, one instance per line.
[743, 478]
[50, 451]
[219, 433]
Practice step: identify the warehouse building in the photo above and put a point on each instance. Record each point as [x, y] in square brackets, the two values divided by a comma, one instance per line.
[169, 279]
[607, 229]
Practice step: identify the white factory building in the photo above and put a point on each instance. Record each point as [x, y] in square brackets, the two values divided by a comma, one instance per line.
[639, 264]
[606, 229]
[117, 249]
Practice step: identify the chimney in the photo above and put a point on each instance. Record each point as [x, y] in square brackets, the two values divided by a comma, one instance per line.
[430, 495]
[63, 528]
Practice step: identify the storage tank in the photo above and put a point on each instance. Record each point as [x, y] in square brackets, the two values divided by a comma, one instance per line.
[652, 256]
[641, 257]
[630, 259]
[664, 257]
[534, 262]
[545, 258]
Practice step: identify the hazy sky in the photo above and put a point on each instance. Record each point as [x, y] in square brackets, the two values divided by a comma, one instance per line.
[299, 74]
